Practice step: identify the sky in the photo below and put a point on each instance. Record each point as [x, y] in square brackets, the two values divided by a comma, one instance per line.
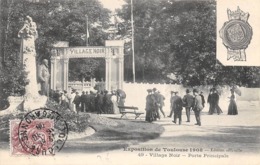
[112, 4]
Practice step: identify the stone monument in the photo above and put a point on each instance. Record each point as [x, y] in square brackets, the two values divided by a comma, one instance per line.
[31, 99]
[28, 34]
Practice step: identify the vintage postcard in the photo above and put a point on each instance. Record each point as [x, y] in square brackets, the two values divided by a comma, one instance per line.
[130, 82]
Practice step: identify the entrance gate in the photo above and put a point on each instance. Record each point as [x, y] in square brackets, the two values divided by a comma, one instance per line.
[113, 52]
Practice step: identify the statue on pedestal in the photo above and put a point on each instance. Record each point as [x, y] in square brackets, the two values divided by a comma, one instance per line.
[31, 99]
[44, 77]
[28, 34]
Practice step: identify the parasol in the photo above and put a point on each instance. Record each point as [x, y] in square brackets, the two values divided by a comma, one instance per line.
[121, 93]
[237, 90]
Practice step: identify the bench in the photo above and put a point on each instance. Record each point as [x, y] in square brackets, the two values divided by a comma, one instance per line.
[130, 110]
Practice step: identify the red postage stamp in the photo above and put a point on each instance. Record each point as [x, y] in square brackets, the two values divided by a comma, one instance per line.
[31, 137]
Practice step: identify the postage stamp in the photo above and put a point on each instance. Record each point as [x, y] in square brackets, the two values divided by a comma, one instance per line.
[40, 132]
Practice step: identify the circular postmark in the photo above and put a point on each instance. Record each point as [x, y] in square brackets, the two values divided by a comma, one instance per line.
[42, 131]
[236, 34]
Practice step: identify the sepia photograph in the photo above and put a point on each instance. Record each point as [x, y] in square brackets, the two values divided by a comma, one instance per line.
[129, 82]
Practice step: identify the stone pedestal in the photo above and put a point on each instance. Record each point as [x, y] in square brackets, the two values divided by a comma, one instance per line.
[22, 104]
[32, 103]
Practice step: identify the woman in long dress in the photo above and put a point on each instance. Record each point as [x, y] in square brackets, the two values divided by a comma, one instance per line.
[115, 104]
[149, 108]
[232, 108]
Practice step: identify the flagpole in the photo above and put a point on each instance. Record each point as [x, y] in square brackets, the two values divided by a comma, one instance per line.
[87, 30]
[133, 46]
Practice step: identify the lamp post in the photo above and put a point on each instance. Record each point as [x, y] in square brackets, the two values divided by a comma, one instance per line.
[87, 32]
[133, 46]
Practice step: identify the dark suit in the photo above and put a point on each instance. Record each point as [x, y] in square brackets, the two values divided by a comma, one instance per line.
[82, 102]
[215, 101]
[197, 108]
[177, 108]
[99, 103]
[161, 103]
[188, 102]
[77, 101]
[157, 104]
[203, 100]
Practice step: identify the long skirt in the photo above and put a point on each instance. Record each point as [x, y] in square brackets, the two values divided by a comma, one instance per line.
[150, 115]
[232, 108]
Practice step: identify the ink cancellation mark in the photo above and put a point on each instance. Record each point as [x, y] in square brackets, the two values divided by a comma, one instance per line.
[40, 132]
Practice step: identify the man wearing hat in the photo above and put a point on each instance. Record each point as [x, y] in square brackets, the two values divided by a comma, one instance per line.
[171, 111]
[197, 106]
[82, 101]
[187, 103]
[215, 102]
[176, 107]
[161, 103]
[202, 98]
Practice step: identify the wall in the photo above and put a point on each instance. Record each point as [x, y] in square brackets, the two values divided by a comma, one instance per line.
[136, 94]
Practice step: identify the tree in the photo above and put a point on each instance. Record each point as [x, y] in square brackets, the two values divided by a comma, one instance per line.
[180, 37]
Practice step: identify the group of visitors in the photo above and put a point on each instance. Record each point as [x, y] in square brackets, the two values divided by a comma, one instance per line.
[213, 100]
[195, 102]
[61, 97]
[154, 104]
[100, 102]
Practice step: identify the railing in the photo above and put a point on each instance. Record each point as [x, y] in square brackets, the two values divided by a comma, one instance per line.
[79, 85]
[86, 85]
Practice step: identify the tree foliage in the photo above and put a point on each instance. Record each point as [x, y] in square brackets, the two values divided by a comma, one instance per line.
[56, 21]
[180, 37]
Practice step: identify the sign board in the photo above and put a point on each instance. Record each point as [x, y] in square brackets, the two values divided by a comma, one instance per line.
[85, 51]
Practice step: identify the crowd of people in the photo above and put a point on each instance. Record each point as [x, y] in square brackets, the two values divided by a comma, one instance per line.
[103, 102]
[100, 102]
[195, 102]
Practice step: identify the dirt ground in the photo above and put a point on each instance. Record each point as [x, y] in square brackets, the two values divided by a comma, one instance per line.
[222, 139]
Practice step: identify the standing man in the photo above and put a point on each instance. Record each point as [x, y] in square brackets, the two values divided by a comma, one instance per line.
[99, 102]
[197, 107]
[171, 102]
[177, 107]
[211, 111]
[161, 102]
[187, 103]
[76, 101]
[202, 98]
[106, 102]
[82, 101]
[44, 76]
[87, 102]
[215, 102]
[92, 97]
